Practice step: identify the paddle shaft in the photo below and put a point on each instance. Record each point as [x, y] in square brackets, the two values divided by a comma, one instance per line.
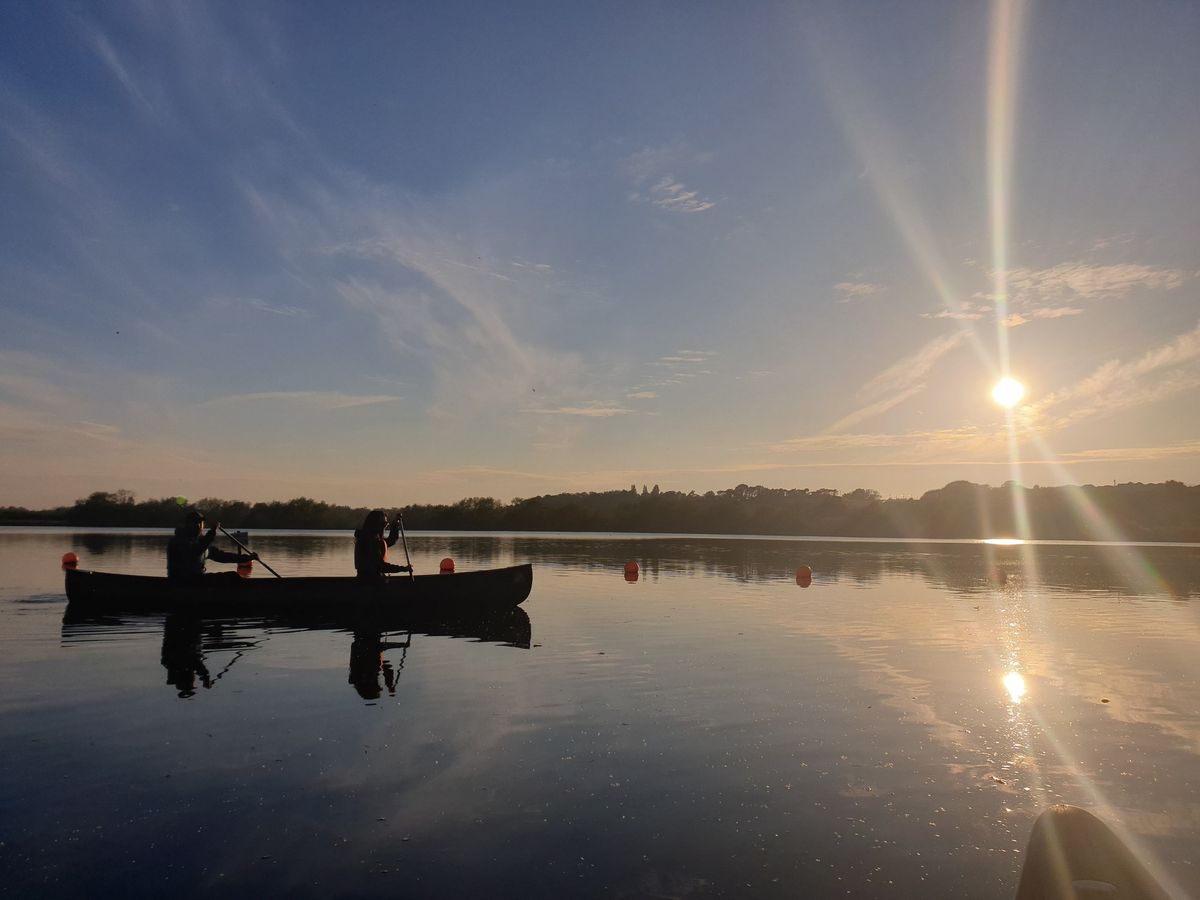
[404, 538]
[248, 550]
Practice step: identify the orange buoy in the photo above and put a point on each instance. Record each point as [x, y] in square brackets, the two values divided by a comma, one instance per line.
[804, 576]
[70, 560]
[631, 571]
[446, 567]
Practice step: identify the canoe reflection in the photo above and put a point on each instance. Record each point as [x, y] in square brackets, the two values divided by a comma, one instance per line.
[189, 641]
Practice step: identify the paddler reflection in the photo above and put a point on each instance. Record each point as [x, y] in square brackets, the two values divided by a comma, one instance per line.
[367, 663]
[185, 640]
[183, 656]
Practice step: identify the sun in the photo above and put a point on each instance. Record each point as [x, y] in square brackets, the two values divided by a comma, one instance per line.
[1008, 392]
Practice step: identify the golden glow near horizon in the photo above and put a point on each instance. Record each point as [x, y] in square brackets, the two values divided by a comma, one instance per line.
[1008, 392]
[1015, 685]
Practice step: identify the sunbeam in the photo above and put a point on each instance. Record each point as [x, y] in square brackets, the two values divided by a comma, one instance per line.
[877, 151]
[1131, 565]
[1004, 41]
[1003, 58]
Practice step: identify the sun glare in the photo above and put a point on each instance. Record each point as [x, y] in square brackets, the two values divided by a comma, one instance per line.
[1015, 685]
[1008, 392]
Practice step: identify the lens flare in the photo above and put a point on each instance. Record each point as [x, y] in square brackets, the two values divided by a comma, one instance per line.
[1008, 392]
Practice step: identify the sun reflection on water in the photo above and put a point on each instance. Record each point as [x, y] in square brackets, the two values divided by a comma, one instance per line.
[1014, 683]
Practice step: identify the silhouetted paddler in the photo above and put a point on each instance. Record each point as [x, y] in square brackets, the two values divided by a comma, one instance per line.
[190, 548]
[371, 547]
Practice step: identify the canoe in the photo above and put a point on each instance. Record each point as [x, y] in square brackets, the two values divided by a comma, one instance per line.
[227, 594]
[1072, 855]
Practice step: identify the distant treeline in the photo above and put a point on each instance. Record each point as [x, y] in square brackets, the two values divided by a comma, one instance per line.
[1142, 512]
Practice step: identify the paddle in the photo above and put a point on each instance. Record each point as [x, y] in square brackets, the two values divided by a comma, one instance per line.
[248, 550]
[404, 538]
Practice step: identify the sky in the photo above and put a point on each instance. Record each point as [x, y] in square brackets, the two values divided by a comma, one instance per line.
[385, 253]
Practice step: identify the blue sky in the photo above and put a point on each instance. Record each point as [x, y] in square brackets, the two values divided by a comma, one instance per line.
[382, 253]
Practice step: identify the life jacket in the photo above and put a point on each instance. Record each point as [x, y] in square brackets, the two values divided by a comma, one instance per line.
[370, 551]
[185, 556]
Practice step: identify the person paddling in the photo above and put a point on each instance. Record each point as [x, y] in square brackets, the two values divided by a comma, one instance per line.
[371, 547]
[190, 548]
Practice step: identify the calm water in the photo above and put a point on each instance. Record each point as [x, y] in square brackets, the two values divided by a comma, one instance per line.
[712, 730]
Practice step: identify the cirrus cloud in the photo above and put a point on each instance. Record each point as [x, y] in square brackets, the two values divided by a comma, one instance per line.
[1073, 282]
[311, 399]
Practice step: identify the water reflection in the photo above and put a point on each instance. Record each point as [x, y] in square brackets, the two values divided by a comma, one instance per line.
[856, 738]
[367, 663]
[1015, 685]
[185, 641]
[189, 642]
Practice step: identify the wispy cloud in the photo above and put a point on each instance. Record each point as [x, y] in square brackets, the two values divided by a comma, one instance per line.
[642, 395]
[536, 267]
[688, 357]
[1058, 291]
[441, 302]
[31, 433]
[874, 409]
[678, 368]
[281, 309]
[672, 195]
[970, 312]
[109, 56]
[954, 447]
[1052, 312]
[1133, 454]
[904, 373]
[311, 399]
[260, 305]
[856, 290]
[1172, 368]
[1044, 312]
[650, 169]
[1106, 242]
[966, 312]
[590, 412]
[1074, 282]
[933, 441]
[898, 382]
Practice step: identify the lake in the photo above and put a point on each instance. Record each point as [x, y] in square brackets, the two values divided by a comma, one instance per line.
[710, 730]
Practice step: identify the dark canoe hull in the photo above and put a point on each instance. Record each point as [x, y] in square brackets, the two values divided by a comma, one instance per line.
[429, 596]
